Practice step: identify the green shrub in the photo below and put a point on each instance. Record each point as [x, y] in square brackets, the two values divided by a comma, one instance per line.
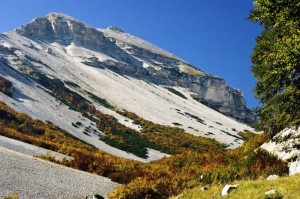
[99, 100]
[72, 84]
[176, 92]
[5, 86]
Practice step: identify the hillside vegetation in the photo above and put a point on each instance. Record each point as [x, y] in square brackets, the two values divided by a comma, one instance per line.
[167, 139]
[159, 179]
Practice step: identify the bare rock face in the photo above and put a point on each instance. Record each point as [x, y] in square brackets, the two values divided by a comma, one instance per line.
[62, 29]
[134, 57]
[286, 145]
[294, 167]
[66, 30]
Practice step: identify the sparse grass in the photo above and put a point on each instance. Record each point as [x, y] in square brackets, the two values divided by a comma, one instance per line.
[172, 139]
[196, 118]
[192, 71]
[176, 92]
[287, 186]
[13, 196]
[72, 84]
[99, 100]
[177, 124]
[235, 136]
[219, 123]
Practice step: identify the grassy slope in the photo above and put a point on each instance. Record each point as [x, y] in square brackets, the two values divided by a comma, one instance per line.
[289, 187]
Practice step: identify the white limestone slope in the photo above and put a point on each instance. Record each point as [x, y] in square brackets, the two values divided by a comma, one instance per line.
[130, 40]
[28, 97]
[149, 101]
[29, 149]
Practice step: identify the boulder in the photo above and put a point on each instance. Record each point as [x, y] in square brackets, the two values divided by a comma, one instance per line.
[97, 196]
[272, 191]
[272, 177]
[294, 167]
[273, 194]
[227, 189]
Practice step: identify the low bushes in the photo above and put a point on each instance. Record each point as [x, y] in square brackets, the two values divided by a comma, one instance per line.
[196, 162]
[6, 86]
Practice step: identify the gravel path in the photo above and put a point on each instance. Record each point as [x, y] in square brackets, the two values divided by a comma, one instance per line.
[37, 179]
[28, 149]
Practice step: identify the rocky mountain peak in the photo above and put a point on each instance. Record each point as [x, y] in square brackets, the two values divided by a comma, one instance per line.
[126, 54]
[53, 16]
[56, 27]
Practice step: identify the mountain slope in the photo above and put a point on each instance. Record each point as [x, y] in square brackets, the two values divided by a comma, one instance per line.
[132, 56]
[35, 178]
[113, 70]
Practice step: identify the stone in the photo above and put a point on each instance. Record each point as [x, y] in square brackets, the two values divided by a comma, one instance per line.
[272, 177]
[204, 188]
[284, 144]
[294, 167]
[96, 196]
[227, 188]
[273, 194]
[272, 191]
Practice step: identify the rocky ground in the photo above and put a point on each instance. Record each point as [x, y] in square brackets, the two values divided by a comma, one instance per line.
[36, 179]
[28, 149]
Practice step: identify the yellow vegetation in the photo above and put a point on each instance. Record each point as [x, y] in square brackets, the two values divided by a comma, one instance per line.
[201, 162]
[287, 186]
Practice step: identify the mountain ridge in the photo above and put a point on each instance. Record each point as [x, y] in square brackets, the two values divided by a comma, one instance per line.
[112, 76]
[139, 59]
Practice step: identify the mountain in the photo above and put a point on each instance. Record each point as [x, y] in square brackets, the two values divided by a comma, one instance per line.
[128, 55]
[69, 73]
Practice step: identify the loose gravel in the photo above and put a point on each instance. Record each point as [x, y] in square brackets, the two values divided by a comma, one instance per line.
[33, 178]
[28, 149]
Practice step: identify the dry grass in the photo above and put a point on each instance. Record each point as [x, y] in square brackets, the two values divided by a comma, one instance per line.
[13, 196]
[289, 187]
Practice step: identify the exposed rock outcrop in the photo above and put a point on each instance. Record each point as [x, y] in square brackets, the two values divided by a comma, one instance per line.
[286, 145]
[134, 57]
[294, 167]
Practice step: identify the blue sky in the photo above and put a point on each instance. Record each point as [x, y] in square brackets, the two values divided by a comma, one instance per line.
[213, 35]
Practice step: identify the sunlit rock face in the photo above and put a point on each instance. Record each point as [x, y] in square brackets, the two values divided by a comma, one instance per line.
[131, 56]
[286, 146]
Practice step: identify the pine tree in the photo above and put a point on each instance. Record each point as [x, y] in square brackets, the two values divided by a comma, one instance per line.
[276, 63]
